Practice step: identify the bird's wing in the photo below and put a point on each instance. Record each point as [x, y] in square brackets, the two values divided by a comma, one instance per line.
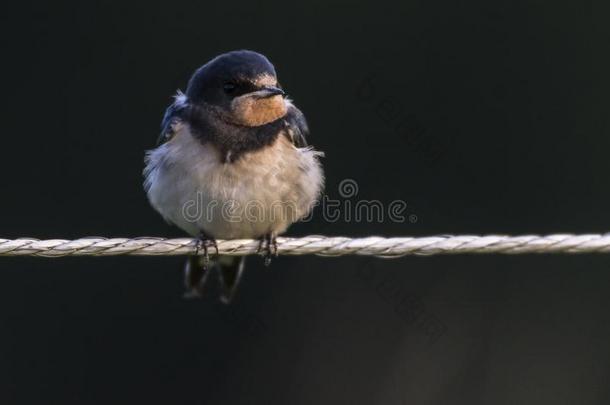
[296, 127]
[173, 118]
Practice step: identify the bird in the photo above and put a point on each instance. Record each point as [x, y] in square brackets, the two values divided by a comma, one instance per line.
[232, 161]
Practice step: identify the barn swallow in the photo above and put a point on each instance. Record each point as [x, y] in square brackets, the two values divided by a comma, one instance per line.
[232, 162]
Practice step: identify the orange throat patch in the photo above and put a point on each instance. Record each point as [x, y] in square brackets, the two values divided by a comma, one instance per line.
[253, 112]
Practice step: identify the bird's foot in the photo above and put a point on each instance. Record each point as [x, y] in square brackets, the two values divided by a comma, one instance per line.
[268, 247]
[196, 271]
[204, 242]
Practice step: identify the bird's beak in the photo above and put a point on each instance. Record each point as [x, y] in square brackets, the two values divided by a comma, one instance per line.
[269, 91]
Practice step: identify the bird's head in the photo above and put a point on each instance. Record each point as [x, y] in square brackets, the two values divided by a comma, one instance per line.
[242, 86]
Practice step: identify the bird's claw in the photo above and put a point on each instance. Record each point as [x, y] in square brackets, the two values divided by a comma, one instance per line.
[204, 242]
[268, 247]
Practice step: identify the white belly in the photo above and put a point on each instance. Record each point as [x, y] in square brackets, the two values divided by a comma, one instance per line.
[262, 192]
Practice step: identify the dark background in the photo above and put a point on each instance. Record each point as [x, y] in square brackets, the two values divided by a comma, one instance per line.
[485, 118]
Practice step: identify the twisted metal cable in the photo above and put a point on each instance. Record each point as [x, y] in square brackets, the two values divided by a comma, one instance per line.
[314, 244]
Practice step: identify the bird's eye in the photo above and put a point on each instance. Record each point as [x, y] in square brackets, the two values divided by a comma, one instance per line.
[229, 87]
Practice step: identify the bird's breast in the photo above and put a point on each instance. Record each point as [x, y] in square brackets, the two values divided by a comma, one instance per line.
[263, 191]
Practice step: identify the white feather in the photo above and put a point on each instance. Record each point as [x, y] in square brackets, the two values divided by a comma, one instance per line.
[263, 191]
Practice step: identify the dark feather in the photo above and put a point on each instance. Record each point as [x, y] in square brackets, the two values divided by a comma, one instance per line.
[296, 127]
[174, 115]
[231, 140]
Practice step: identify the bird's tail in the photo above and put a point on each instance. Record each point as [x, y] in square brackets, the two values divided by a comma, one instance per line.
[228, 268]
